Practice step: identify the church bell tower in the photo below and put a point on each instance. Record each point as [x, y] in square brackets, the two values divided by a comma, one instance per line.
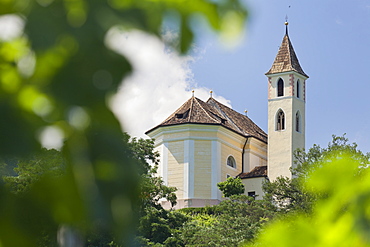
[286, 110]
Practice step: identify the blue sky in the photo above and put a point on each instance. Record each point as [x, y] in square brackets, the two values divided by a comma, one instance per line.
[332, 41]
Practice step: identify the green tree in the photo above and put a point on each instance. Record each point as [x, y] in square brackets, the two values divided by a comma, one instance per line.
[234, 221]
[287, 195]
[232, 186]
[26, 171]
[59, 74]
[316, 156]
[156, 225]
[152, 187]
[340, 218]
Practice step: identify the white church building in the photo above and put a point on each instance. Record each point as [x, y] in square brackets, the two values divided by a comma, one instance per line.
[203, 143]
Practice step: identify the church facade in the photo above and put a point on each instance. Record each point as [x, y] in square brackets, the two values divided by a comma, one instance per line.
[204, 143]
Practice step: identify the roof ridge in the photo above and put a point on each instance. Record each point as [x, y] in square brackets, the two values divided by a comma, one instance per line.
[174, 113]
[225, 115]
[191, 108]
[206, 112]
[293, 57]
[251, 129]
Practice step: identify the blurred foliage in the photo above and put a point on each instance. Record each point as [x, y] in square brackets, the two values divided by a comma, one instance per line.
[231, 186]
[340, 218]
[60, 74]
[23, 173]
[287, 195]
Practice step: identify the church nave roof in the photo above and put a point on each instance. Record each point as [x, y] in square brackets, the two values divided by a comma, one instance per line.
[196, 111]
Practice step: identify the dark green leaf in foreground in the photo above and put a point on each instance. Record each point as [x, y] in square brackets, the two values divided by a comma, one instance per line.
[60, 74]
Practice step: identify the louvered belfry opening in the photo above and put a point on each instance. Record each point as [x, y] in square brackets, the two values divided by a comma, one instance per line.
[280, 88]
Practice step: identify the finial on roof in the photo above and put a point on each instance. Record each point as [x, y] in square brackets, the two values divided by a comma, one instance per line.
[246, 112]
[286, 24]
[211, 92]
[192, 92]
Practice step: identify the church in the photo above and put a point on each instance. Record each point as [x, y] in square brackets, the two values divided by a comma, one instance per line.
[204, 143]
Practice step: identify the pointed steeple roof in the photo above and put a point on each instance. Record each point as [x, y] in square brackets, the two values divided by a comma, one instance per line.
[286, 60]
[212, 112]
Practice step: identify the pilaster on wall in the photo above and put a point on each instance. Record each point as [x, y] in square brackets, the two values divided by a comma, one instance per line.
[188, 169]
[216, 170]
[246, 159]
[291, 85]
[270, 88]
[164, 163]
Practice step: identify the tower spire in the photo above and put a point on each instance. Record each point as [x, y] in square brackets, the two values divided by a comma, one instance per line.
[286, 60]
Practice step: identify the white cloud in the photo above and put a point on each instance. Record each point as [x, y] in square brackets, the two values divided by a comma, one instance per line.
[161, 82]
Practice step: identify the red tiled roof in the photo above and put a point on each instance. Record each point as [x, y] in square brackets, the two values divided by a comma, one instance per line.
[258, 171]
[213, 112]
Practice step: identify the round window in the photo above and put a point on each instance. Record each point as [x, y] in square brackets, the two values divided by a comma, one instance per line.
[231, 161]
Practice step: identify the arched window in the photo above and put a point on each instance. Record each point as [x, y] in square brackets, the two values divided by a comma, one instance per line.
[231, 162]
[280, 88]
[280, 120]
[298, 122]
[298, 89]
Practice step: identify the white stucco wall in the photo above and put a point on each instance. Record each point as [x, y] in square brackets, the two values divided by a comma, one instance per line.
[254, 185]
[194, 159]
[255, 154]
[282, 143]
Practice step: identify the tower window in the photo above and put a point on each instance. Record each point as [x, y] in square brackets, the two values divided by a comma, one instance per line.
[280, 88]
[297, 122]
[280, 120]
[231, 162]
[298, 89]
